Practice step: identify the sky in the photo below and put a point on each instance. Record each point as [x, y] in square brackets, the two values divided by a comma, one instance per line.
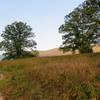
[44, 16]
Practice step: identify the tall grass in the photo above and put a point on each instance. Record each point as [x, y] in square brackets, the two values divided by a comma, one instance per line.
[73, 77]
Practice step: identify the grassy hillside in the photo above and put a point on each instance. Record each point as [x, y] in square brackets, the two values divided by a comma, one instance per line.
[57, 52]
[73, 77]
[52, 52]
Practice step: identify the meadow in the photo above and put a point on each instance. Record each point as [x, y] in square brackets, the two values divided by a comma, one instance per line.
[70, 77]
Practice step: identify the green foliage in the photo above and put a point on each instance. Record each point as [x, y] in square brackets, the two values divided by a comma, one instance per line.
[35, 53]
[17, 37]
[82, 27]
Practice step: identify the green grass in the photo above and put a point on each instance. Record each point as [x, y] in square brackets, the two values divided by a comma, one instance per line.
[73, 77]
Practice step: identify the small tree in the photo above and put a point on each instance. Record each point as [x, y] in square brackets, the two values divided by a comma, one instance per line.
[82, 27]
[17, 37]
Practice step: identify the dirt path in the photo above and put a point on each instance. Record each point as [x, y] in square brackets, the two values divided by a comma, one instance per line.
[1, 78]
[1, 98]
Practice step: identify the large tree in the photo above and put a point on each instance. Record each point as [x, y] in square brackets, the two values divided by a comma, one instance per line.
[82, 27]
[17, 38]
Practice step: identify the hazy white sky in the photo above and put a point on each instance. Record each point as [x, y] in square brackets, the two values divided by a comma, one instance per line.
[44, 16]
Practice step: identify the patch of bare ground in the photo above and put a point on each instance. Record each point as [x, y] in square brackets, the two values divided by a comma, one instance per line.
[1, 78]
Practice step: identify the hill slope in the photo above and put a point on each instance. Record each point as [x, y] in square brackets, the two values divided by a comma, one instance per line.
[57, 52]
[71, 77]
[52, 52]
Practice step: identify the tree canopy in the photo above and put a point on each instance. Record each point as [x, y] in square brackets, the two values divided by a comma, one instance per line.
[17, 38]
[81, 30]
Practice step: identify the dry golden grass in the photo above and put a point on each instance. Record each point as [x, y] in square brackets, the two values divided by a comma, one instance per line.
[72, 77]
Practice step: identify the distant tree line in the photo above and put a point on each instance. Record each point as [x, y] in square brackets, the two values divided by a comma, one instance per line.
[81, 30]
